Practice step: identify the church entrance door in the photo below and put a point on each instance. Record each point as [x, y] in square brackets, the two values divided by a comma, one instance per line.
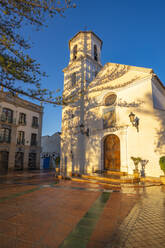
[112, 153]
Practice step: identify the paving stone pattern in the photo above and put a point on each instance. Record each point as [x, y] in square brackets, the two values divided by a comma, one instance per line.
[37, 213]
[144, 227]
[80, 235]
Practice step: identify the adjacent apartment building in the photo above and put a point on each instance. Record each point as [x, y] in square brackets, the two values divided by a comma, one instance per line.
[51, 146]
[20, 133]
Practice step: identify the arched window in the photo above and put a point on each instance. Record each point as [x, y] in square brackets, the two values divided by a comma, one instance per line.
[7, 115]
[5, 135]
[75, 52]
[95, 53]
[110, 100]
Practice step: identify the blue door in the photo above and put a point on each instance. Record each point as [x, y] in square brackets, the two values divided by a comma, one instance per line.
[46, 163]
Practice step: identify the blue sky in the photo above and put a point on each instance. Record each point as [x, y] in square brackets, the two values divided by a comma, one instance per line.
[133, 33]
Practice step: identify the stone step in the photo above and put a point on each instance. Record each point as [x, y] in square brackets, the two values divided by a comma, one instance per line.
[116, 186]
[110, 179]
[118, 173]
[105, 184]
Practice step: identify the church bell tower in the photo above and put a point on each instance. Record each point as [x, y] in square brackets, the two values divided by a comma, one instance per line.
[84, 64]
[85, 51]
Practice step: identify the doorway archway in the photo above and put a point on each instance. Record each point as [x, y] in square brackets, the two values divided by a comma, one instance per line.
[4, 158]
[112, 153]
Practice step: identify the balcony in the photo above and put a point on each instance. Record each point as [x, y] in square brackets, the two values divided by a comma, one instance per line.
[35, 125]
[7, 119]
[34, 143]
[22, 123]
[20, 141]
[4, 139]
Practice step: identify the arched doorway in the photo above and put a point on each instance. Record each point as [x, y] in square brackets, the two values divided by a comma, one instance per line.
[112, 153]
[4, 158]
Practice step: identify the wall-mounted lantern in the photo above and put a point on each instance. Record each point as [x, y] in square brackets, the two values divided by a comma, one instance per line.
[71, 154]
[83, 131]
[134, 120]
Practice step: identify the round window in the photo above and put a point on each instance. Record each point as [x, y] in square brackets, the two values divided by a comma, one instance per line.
[111, 99]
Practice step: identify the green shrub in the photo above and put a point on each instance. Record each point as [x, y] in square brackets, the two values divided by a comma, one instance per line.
[162, 163]
[136, 161]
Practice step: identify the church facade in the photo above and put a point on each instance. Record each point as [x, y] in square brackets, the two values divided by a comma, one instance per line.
[112, 113]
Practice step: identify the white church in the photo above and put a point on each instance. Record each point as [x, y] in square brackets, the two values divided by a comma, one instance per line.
[113, 112]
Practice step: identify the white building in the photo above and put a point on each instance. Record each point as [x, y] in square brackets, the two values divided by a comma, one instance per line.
[51, 146]
[20, 133]
[97, 133]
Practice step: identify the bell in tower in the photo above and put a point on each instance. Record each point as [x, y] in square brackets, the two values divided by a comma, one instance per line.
[85, 43]
[85, 50]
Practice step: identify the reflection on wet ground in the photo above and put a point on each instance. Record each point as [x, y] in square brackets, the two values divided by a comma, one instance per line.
[145, 224]
[31, 177]
[38, 211]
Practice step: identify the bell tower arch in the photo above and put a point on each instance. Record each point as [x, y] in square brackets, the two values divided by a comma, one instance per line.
[85, 53]
[86, 43]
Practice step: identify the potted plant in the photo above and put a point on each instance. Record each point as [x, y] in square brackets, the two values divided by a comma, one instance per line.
[162, 166]
[143, 165]
[57, 162]
[136, 161]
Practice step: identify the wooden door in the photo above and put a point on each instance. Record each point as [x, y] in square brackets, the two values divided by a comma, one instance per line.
[19, 157]
[112, 153]
[32, 161]
[46, 164]
[4, 157]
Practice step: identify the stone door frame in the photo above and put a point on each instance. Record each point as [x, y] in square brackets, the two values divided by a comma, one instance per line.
[122, 135]
[118, 141]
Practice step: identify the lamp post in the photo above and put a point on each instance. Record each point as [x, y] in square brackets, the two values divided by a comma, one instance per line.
[83, 131]
[134, 120]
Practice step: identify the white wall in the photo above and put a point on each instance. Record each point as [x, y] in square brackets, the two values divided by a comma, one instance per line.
[135, 93]
[51, 143]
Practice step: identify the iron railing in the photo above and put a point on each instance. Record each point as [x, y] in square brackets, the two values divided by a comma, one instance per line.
[20, 141]
[22, 123]
[34, 143]
[7, 119]
[35, 125]
[5, 139]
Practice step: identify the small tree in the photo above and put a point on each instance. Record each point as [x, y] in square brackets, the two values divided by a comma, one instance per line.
[136, 162]
[19, 72]
[162, 163]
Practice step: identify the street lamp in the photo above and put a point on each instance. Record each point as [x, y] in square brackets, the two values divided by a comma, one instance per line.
[71, 154]
[83, 131]
[134, 120]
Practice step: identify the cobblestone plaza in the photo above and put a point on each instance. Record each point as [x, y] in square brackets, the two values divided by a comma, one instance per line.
[38, 211]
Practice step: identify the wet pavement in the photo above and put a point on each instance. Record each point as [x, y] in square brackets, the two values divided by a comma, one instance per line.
[37, 211]
[145, 225]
